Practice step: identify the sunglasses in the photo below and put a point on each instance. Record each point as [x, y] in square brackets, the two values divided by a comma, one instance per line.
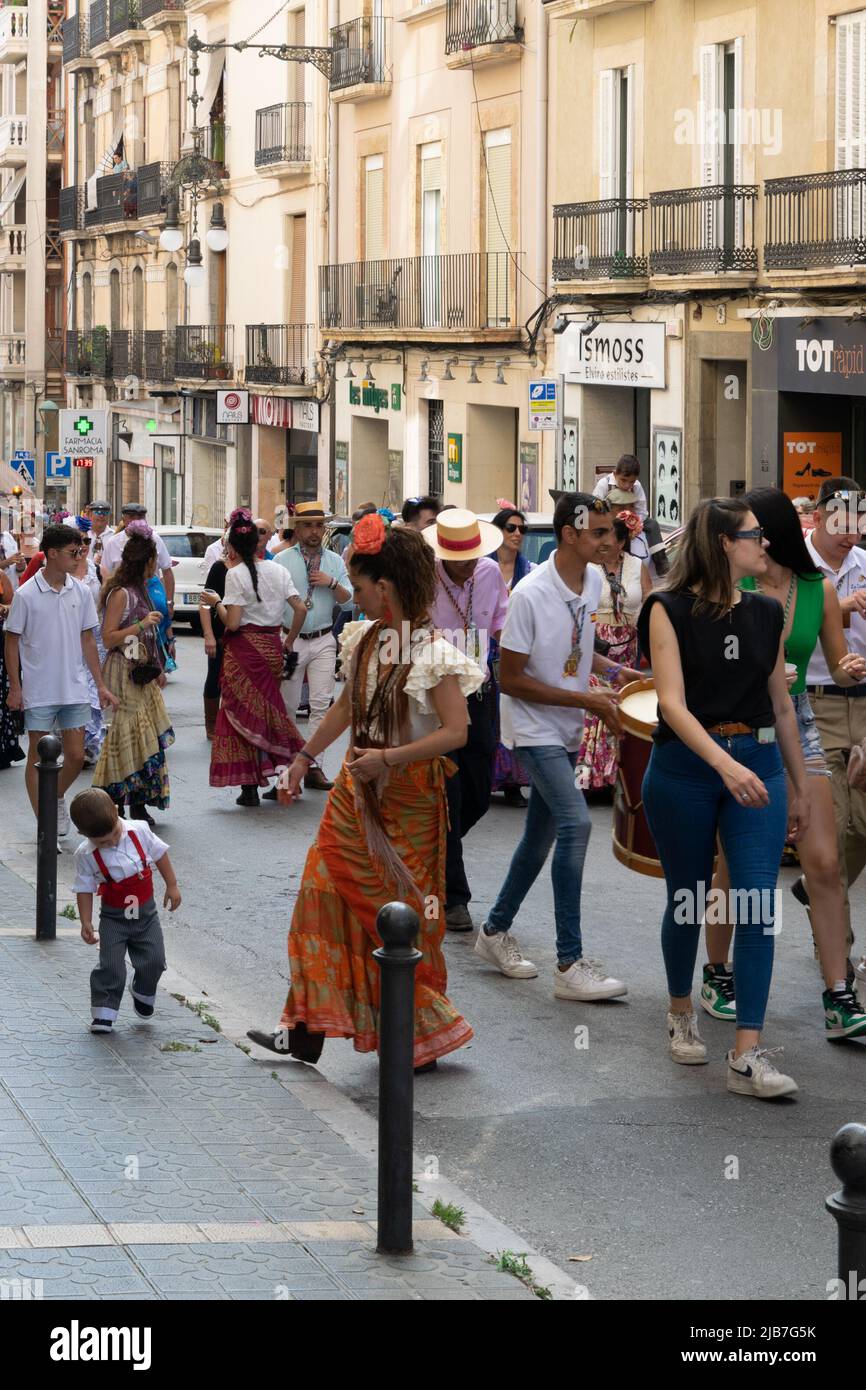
[76, 551]
[99, 511]
[512, 527]
[755, 533]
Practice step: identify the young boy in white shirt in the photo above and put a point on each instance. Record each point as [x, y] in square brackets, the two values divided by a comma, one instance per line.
[116, 862]
[625, 477]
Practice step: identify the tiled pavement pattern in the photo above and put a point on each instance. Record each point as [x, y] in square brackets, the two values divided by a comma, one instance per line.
[128, 1172]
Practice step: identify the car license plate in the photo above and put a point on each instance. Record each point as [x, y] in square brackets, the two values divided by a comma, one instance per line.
[193, 598]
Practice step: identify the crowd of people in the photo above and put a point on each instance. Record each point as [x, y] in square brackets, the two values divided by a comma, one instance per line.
[459, 669]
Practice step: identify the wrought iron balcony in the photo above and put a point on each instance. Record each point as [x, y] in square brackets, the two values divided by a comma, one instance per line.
[88, 354]
[109, 201]
[72, 209]
[278, 354]
[281, 134]
[699, 231]
[98, 23]
[472, 23]
[76, 36]
[600, 240]
[159, 355]
[205, 351]
[472, 290]
[127, 353]
[122, 16]
[359, 52]
[154, 182]
[148, 9]
[815, 220]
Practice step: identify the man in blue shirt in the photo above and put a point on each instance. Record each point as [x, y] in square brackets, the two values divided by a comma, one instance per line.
[322, 581]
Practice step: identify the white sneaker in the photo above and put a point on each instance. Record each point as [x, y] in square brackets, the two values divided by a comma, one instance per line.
[62, 816]
[501, 949]
[860, 982]
[686, 1044]
[753, 1074]
[586, 980]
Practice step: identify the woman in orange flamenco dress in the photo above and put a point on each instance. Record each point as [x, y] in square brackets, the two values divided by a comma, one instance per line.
[382, 836]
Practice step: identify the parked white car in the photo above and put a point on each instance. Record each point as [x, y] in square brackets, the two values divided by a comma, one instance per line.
[187, 545]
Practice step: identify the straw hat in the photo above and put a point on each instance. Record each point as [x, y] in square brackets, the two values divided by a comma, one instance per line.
[458, 535]
[311, 511]
[618, 497]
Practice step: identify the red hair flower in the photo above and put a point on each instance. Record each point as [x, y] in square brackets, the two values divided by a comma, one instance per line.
[369, 535]
[632, 522]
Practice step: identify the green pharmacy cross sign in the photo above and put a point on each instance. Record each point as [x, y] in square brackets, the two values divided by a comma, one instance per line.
[83, 425]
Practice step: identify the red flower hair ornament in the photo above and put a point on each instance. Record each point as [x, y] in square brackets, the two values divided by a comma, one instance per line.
[632, 522]
[369, 535]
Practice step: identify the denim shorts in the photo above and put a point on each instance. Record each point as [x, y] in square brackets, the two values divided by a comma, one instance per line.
[44, 718]
[810, 739]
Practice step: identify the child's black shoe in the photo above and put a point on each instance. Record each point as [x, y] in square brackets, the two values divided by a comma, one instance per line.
[143, 1010]
[101, 1025]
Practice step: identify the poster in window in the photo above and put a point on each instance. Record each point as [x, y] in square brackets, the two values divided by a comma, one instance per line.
[395, 479]
[341, 477]
[667, 464]
[569, 456]
[528, 497]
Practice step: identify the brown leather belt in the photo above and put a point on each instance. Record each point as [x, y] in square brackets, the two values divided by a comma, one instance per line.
[728, 730]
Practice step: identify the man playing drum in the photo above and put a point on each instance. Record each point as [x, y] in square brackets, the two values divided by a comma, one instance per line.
[546, 658]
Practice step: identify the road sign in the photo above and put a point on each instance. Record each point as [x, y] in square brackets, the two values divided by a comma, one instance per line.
[83, 433]
[542, 405]
[58, 467]
[25, 466]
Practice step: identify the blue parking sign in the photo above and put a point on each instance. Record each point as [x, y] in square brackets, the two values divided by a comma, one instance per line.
[58, 467]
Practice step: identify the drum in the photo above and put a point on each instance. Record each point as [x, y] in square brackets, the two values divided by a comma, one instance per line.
[633, 845]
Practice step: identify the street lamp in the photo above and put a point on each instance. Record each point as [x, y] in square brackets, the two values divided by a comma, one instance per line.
[217, 237]
[171, 237]
[194, 273]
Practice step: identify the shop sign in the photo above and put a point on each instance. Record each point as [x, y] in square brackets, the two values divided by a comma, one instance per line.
[275, 411]
[826, 357]
[613, 354]
[305, 416]
[396, 392]
[233, 407]
[807, 459]
[83, 434]
[542, 405]
[368, 393]
[455, 458]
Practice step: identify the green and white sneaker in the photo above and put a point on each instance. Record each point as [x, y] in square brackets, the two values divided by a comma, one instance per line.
[843, 1015]
[717, 994]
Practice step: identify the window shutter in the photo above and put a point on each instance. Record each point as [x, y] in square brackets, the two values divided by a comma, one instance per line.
[607, 123]
[498, 211]
[431, 199]
[374, 209]
[298, 306]
[710, 102]
[843, 105]
[629, 143]
[851, 91]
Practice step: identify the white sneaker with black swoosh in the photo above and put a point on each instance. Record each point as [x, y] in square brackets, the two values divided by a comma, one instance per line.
[753, 1074]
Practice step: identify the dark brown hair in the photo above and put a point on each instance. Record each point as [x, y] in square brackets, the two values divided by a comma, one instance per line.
[701, 565]
[93, 813]
[409, 563]
[138, 553]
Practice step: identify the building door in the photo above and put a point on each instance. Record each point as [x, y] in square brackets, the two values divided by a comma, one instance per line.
[435, 448]
[302, 466]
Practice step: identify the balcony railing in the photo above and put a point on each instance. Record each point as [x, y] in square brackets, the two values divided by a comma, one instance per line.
[205, 351]
[122, 15]
[13, 351]
[359, 52]
[53, 244]
[278, 354]
[76, 36]
[281, 134]
[98, 22]
[54, 350]
[703, 230]
[109, 201]
[72, 209]
[159, 355]
[215, 144]
[13, 241]
[14, 32]
[153, 185]
[472, 290]
[600, 241]
[815, 219]
[471, 23]
[55, 132]
[54, 22]
[88, 354]
[13, 137]
[148, 8]
[127, 353]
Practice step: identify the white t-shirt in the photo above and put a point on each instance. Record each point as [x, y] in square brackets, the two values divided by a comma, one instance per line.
[846, 580]
[113, 549]
[609, 482]
[50, 623]
[542, 616]
[215, 551]
[275, 587]
[122, 860]
[9, 546]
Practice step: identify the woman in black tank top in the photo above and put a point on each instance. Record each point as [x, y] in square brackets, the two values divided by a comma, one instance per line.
[726, 723]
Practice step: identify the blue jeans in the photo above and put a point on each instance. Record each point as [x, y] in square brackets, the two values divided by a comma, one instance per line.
[687, 804]
[556, 811]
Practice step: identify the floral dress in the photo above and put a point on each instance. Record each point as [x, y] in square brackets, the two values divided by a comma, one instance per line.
[619, 605]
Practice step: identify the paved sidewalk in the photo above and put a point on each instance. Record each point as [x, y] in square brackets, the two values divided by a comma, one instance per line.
[164, 1163]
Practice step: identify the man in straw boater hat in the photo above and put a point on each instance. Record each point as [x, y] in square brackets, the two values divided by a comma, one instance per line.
[547, 654]
[321, 580]
[470, 605]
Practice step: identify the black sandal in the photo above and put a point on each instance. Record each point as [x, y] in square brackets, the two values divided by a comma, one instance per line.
[293, 1042]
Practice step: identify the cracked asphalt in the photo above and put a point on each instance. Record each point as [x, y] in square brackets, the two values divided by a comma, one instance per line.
[673, 1187]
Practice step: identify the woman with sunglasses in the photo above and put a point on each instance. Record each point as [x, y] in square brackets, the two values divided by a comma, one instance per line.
[726, 725]
[812, 615]
[508, 775]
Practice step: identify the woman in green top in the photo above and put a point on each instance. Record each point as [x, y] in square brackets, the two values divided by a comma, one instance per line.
[812, 614]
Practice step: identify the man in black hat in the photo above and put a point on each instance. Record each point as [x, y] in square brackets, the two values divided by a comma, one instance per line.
[98, 513]
[112, 551]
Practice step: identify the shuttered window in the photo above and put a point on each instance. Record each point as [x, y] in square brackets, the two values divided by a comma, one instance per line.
[431, 199]
[851, 91]
[374, 207]
[497, 224]
[298, 295]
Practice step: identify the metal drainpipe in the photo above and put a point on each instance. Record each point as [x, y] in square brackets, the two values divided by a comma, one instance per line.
[541, 147]
[333, 148]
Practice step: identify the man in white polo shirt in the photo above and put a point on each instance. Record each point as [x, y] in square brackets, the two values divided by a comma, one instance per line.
[113, 549]
[547, 655]
[840, 713]
[49, 635]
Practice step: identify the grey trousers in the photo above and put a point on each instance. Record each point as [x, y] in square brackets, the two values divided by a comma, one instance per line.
[142, 940]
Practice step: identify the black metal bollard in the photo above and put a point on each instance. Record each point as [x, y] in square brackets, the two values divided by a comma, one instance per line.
[848, 1206]
[48, 768]
[397, 925]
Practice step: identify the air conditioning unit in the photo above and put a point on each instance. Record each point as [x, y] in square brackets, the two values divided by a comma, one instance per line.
[130, 388]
